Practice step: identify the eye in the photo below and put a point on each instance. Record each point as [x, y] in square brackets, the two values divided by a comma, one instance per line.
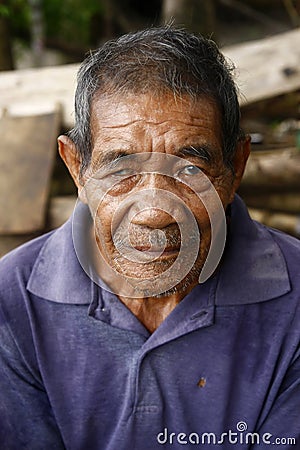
[194, 177]
[123, 173]
[189, 170]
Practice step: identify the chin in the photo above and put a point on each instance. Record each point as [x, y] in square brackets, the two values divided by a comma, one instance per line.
[145, 286]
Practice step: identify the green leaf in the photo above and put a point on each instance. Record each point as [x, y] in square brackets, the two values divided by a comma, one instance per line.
[4, 11]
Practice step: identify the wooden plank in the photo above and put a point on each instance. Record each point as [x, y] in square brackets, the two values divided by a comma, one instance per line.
[40, 87]
[288, 202]
[60, 209]
[272, 171]
[27, 154]
[265, 68]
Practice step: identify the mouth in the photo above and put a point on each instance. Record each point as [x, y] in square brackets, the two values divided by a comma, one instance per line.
[150, 253]
[152, 245]
[158, 252]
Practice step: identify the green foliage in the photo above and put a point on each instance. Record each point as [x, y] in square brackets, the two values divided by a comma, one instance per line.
[4, 11]
[70, 20]
[74, 26]
[18, 13]
[64, 20]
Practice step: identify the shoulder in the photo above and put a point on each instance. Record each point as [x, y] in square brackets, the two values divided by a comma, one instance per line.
[47, 267]
[259, 263]
[269, 253]
[289, 245]
[16, 266]
[15, 327]
[290, 249]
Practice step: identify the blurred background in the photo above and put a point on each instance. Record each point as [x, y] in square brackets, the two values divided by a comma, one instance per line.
[41, 45]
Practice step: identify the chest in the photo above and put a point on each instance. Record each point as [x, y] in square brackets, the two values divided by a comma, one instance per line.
[113, 381]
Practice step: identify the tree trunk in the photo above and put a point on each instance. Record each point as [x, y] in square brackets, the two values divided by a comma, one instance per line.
[37, 32]
[6, 57]
[195, 15]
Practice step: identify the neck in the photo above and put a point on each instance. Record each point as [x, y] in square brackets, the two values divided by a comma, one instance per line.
[152, 311]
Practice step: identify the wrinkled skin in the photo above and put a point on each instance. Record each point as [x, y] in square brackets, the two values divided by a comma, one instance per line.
[145, 124]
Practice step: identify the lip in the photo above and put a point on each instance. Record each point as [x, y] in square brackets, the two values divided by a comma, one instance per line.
[165, 255]
[149, 249]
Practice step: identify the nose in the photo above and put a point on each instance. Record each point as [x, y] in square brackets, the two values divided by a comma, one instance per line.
[156, 206]
[153, 218]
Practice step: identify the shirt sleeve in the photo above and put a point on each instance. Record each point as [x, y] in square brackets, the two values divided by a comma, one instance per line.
[281, 428]
[26, 418]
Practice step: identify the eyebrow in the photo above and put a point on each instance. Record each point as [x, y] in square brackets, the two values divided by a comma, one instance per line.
[203, 152]
[199, 151]
[110, 157]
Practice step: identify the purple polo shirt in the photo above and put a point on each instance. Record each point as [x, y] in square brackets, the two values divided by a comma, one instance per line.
[78, 371]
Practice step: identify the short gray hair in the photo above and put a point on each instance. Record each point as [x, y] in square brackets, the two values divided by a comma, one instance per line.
[157, 60]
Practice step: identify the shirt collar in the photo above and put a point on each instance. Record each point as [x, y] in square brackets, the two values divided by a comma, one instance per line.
[57, 274]
[253, 268]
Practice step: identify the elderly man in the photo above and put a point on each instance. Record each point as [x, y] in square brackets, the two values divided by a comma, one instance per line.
[160, 314]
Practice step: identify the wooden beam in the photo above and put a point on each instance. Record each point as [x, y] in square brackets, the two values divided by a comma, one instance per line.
[265, 68]
[27, 154]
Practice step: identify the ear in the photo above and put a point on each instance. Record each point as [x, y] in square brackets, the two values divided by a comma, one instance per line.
[239, 162]
[69, 155]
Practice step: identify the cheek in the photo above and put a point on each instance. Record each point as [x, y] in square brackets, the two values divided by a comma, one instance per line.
[103, 213]
[224, 189]
[209, 208]
[201, 215]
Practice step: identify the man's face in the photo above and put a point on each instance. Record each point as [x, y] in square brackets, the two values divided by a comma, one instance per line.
[155, 163]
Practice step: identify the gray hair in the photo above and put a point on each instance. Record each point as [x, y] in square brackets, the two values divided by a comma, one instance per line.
[157, 60]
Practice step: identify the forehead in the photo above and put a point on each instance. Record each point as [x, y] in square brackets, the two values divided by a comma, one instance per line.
[157, 118]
